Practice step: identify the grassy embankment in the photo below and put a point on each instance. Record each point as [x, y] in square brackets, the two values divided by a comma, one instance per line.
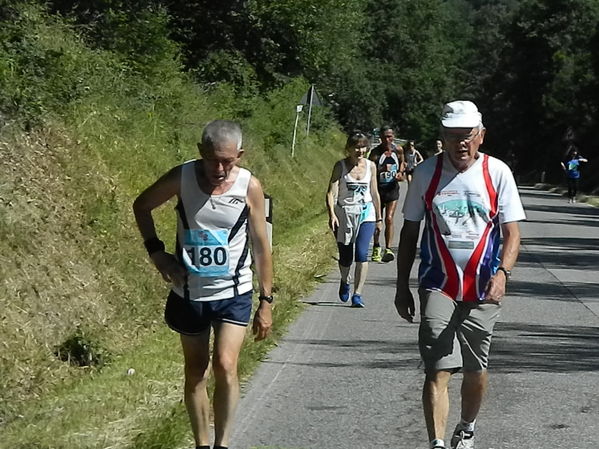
[85, 130]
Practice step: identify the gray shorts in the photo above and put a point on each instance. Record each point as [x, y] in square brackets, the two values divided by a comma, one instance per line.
[454, 335]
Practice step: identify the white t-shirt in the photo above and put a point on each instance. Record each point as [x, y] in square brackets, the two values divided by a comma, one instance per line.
[459, 249]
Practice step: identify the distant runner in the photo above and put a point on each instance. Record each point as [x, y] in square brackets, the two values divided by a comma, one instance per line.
[412, 157]
[354, 212]
[571, 167]
[438, 147]
[389, 162]
[219, 206]
[467, 199]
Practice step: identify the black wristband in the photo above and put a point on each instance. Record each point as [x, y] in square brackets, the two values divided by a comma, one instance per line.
[153, 245]
[268, 298]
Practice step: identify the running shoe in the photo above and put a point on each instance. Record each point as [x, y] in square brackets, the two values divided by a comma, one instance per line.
[462, 439]
[376, 254]
[388, 256]
[343, 291]
[356, 301]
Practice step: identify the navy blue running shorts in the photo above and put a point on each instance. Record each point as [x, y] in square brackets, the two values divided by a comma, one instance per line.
[194, 317]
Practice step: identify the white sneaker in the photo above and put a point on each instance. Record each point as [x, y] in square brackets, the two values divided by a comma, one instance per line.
[462, 439]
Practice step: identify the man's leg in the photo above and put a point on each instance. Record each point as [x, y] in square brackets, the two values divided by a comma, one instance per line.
[570, 182]
[475, 334]
[441, 354]
[376, 245]
[228, 339]
[389, 214]
[474, 387]
[196, 351]
[435, 402]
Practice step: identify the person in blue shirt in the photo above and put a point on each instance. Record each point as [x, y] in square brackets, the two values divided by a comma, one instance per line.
[571, 167]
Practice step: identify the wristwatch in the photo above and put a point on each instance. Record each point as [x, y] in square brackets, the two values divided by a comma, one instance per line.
[269, 299]
[508, 273]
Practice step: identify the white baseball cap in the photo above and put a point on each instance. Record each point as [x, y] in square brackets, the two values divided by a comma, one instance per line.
[461, 114]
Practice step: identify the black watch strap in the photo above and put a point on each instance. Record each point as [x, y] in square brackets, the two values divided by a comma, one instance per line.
[269, 299]
[508, 273]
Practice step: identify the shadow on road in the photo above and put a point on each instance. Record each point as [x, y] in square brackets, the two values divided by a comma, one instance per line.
[557, 259]
[559, 252]
[563, 243]
[556, 349]
[359, 354]
[565, 209]
[537, 194]
[569, 222]
[553, 292]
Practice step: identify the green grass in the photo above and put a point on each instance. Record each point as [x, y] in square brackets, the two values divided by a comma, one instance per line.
[87, 131]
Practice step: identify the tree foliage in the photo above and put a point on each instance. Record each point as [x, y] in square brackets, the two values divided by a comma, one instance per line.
[531, 66]
[545, 82]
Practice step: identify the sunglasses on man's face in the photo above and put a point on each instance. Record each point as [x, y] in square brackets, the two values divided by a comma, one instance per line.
[458, 138]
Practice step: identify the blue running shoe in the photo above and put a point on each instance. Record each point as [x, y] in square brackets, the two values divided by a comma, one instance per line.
[356, 301]
[343, 291]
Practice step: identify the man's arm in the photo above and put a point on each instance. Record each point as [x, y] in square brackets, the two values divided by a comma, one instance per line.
[332, 193]
[263, 258]
[408, 240]
[401, 176]
[495, 290]
[419, 157]
[376, 199]
[154, 196]
[374, 156]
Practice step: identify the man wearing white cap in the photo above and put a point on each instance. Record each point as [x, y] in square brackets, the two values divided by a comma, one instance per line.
[468, 200]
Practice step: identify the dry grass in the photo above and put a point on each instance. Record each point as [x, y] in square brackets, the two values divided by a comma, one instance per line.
[71, 262]
[72, 267]
[56, 273]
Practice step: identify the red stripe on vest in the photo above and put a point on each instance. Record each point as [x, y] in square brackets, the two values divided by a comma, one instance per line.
[451, 287]
[470, 274]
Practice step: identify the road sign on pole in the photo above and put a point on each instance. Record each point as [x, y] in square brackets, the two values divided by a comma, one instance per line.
[298, 109]
[311, 98]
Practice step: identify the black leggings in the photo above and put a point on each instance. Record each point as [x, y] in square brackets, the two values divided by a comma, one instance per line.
[572, 187]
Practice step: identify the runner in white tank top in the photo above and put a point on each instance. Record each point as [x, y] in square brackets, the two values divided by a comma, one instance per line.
[220, 208]
[354, 210]
[212, 238]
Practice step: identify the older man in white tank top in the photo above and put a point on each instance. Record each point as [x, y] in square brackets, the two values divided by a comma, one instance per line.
[220, 209]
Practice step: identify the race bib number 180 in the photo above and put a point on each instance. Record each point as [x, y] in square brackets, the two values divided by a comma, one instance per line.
[206, 253]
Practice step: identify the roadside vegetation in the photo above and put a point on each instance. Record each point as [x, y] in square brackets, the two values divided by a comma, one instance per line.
[99, 98]
[85, 131]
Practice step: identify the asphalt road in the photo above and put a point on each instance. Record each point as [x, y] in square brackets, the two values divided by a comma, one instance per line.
[351, 378]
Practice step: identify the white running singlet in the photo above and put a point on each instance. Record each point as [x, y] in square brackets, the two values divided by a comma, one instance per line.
[212, 238]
